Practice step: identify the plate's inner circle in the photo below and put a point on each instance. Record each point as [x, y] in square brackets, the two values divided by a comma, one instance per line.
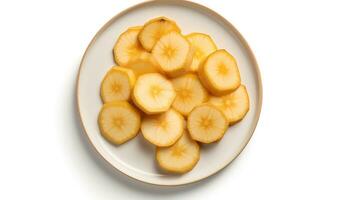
[136, 158]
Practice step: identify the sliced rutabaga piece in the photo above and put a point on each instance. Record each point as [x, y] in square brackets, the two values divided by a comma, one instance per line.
[154, 29]
[117, 85]
[219, 73]
[189, 93]
[119, 122]
[163, 129]
[174, 54]
[180, 157]
[153, 93]
[128, 48]
[203, 46]
[234, 105]
[206, 123]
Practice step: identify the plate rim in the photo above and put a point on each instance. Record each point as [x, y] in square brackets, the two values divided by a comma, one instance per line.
[235, 32]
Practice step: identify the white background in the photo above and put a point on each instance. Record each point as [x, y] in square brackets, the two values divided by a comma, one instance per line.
[305, 145]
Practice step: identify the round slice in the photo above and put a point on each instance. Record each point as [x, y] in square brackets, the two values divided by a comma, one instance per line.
[173, 53]
[189, 93]
[203, 46]
[153, 93]
[219, 73]
[234, 105]
[206, 123]
[154, 29]
[127, 47]
[117, 85]
[180, 157]
[163, 129]
[119, 122]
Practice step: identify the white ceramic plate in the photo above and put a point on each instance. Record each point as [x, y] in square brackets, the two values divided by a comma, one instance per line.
[136, 157]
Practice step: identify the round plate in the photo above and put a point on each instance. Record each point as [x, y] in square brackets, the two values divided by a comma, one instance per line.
[136, 158]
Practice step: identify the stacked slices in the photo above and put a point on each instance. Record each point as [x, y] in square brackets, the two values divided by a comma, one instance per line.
[177, 90]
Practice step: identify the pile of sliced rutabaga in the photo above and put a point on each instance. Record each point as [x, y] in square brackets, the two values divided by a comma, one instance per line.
[177, 90]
